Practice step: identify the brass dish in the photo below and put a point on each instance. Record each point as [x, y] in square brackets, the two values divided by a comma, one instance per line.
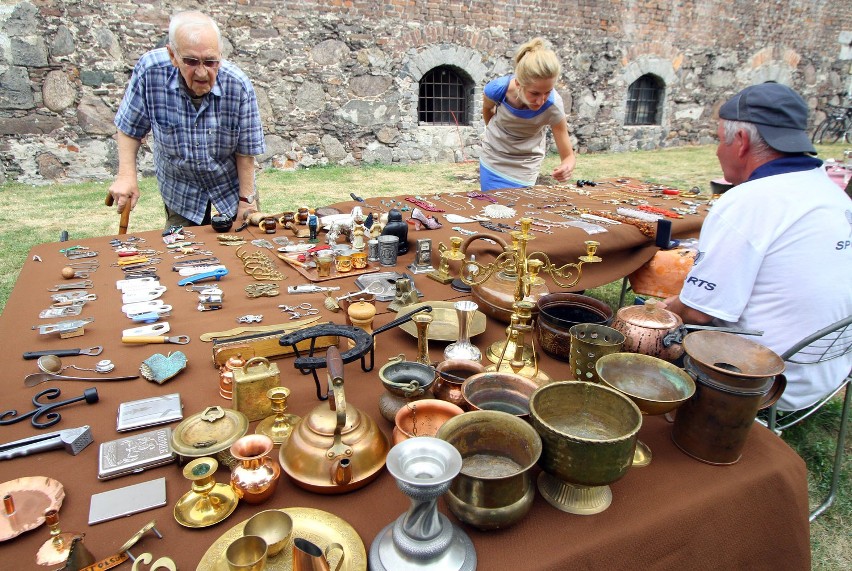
[32, 496]
[445, 322]
[319, 527]
[209, 433]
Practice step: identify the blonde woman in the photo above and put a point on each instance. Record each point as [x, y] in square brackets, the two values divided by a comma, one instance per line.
[517, 110]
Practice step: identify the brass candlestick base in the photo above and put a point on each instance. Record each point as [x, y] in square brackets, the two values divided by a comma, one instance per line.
[278, 426]
[208, 502]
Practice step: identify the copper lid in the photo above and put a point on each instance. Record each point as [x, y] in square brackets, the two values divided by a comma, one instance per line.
[210, 431]
[649, 315]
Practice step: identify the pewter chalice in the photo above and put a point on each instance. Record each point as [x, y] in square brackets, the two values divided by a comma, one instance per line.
[656, 386]
[588, 433]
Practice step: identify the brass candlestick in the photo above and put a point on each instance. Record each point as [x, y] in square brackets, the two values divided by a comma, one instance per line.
[280, 425]
[55, 550]
[208, 502]
[514, 354]
[442, 275]
[422, 321]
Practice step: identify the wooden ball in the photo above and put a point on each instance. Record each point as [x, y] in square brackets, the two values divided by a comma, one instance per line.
[68, 272]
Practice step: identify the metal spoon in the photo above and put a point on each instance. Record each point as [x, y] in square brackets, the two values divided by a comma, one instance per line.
[38, 378]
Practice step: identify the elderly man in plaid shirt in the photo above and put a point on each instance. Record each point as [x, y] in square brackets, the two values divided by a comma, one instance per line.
[205, 121]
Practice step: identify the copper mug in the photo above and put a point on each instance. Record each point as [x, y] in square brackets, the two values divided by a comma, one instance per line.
[307, 556]
[324, 261]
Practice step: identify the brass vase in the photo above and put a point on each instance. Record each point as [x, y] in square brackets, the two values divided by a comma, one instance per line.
[255, 476]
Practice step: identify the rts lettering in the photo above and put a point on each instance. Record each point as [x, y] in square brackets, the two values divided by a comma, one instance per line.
[709, 286]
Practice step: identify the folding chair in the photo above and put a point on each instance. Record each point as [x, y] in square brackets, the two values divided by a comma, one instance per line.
[828, 343]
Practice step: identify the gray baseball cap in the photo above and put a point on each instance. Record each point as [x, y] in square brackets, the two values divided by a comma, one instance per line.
[778, 112]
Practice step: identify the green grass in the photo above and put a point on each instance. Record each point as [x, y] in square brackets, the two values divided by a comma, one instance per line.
[34, 215]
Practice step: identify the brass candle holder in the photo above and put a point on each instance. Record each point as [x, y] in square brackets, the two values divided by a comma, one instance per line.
[55, 550]
[208, 502]
[422, 321]
[513, 354]
[278, 426]
[454, 253]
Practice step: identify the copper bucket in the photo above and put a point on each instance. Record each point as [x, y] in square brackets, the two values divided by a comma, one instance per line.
[734, 378]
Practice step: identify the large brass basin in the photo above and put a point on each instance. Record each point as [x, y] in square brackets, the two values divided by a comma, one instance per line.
[588, 431]
[656, 386]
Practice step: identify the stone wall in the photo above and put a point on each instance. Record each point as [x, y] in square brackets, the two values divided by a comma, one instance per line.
[337, 80]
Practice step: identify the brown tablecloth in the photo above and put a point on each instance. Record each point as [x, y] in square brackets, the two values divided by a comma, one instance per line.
[623, 247]
[676, 513]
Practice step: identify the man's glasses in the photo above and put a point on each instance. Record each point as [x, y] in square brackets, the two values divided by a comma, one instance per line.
[195, 62]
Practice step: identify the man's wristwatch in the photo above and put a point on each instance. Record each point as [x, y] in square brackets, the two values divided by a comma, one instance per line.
[249, 199]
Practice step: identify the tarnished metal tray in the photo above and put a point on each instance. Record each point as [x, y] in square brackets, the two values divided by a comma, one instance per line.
[445, 322]
[383, 284]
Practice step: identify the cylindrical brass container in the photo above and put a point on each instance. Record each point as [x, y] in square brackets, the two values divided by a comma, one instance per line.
[494, 488]
[734, 378]
[590, 342]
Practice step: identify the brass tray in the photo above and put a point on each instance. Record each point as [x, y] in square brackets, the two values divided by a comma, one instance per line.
[445, 322]
[313, 275]
[322, 528]
[32, 495]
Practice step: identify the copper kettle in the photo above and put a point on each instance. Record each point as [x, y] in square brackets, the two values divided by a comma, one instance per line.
[496, 295]
[335, 448]
[648, 329]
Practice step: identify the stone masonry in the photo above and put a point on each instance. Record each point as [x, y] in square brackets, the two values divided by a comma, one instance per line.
[337, 80]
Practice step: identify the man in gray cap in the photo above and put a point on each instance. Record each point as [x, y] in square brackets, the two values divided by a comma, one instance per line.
[774, 252]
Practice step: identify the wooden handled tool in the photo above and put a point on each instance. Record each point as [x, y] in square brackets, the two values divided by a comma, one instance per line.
[125, 214]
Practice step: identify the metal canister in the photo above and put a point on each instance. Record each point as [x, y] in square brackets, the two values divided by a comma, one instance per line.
[734, 378]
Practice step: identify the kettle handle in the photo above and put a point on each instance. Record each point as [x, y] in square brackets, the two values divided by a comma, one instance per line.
[474, 237]
[337, 402]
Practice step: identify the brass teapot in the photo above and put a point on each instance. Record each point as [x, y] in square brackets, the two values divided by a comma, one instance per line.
[335, 448]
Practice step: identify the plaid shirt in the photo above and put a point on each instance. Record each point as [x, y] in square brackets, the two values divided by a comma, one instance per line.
[194, 150]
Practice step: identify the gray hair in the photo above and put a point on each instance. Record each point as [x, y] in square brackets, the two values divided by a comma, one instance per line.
[759, 147]
[192, 21]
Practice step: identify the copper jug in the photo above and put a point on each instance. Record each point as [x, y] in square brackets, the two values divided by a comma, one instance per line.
[335, 448]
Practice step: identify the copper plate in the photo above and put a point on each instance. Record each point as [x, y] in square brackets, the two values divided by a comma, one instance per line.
[320, 527]
[445, 322]
[32, 496]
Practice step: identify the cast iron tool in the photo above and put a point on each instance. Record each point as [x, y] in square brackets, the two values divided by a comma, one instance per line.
[93, 351]
[89, 395]
[72, 439]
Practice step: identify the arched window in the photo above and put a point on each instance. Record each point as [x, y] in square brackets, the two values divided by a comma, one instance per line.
[444, 97]
[645, 101]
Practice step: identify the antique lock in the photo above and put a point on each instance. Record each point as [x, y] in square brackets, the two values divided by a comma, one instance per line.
[251, 381]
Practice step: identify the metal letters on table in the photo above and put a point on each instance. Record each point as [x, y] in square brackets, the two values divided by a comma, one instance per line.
[90, 395]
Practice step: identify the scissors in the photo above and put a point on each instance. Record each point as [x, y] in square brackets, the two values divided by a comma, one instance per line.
[304, 309]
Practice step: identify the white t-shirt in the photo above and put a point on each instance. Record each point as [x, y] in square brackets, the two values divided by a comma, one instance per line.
[775, 255]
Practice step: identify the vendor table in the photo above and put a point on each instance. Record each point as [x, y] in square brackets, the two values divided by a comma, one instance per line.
[623, 247]
[676, 513]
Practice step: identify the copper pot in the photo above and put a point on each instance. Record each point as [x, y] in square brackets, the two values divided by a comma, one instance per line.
[448, 386]
[645, 328]
[336, 448]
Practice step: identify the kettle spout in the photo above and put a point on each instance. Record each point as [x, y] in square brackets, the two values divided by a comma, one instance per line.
[341, 472]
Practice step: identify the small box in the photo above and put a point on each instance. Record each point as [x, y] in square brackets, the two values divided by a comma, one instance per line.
[251, 381]
[134, 454]
[149, 412]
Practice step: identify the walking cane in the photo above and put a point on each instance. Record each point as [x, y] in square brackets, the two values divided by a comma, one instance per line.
[125, 214]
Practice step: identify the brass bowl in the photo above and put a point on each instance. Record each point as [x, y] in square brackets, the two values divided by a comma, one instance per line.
[655, 385]
[273, 526]
[559, 312]
[589, 435]
[395, 374]
[495, 390]
[494, 488]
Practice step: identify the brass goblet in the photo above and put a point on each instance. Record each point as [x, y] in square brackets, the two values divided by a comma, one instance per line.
[656, 386]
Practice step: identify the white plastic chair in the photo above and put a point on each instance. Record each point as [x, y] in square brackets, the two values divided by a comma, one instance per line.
[828, 343]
